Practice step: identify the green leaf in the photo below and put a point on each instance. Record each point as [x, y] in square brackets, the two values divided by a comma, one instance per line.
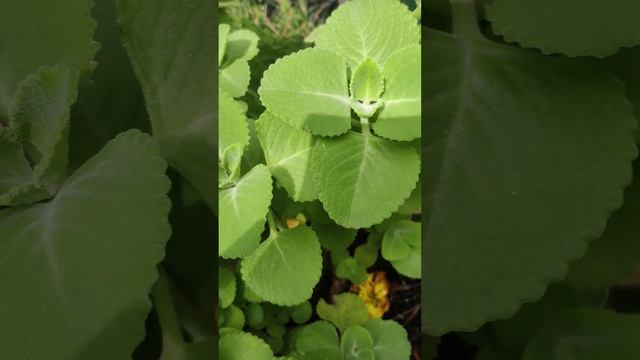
[241, 45]
[334, 237]
[400, 117]
[233, 128]
[390, 339]
[356, 344]
[287, 152]
[574, 28]
[235, 78]
[616, 253]
[226, 287]
[350, 269]
[65, 42]
[367, 254]
[362, 179]
[366, 82]
[309, 90]
[373, 29]
[242, 211]
[347, 309]
[41, 115]
[624, 65]
[559, 145]
[239, 345]
[587, 334]
[293, 255]
[99, 238]
[234, 318]
[402, 246]
[301, 313]
[223, 34]
[175, 70]
[320, 341]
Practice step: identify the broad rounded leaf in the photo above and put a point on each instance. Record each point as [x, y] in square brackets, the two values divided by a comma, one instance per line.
[286, 267]
[318, 337]
[571, 27]
[347, 309]
[374, 29]
[240, 45]
[529, 156]
[356, 344]
[235, 78]
[362, 179]
[390, 339]
[100, 238]
[238, 345]
[402, 246]
[176, 72]
[309, 90]
[587, 334]
[242, 210]
[287, 152]
[400, 117]
[63, 33]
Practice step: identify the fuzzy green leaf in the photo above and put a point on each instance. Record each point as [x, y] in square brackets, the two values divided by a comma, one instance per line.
[241, 45]
[293, 255]
[100, 238]
[366, 82]
[402, 246]
[235, 78]
[242, 210]
[373, 29]
[390, 339]
[309, 90]
[287, 152]
[223, 34]
[356, 344]
[238, 345]
[233, 128]
[362, 179]
[226, 287]
[347, 309]
[319, 341]
[400, 117]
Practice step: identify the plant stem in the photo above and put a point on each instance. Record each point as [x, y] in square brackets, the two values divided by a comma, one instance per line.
[465, 19]
[365, 126]
[172, 339]
[273, 228]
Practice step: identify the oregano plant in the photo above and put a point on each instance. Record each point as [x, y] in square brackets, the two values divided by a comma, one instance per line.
[320, 185]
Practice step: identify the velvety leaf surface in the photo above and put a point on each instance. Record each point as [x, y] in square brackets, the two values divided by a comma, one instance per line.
[371, 29]
[287, 152]
[389, 339]
[361, 178]
[587, 334]
[319, 340]
[176, 72]
[242, 213]
[233, 128]
[402, 246]
[573, 27]
[309, 89]
[366, 82]
[62, 30]
[77, 269]
[400, 117]
[286, 267]
[239, 345]
[347, 309]
[510, 201]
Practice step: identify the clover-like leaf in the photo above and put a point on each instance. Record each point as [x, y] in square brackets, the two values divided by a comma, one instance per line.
[402, 246]
[287, 152]
[238, 345]
[357, 343]
[373, 29]
[242, 210]
[400, 117]
[293, 255]
[347, 309]
[176, 72]
[362, 179]
[319, 340]
[350, 269]
[67, 42]
[366, 82]
[511, 201]
[588, 33]
[309, 89]
[99, 238]
[586, 334]
[390, 339]
[40, 117]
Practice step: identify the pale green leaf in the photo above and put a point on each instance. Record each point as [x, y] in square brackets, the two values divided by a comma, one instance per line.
[390, 339]
[362, 179]
[400, 117]
[241, 45]
[176, 71]
[374, 29]
[239, 345]
[242, 213]
[347, 309]
[366, 82]
[233, 128]
[226, 286]
[287, 152]
[511, 201]
[356, 344]
[223, 34]
[350, 269]
[320, 341]
[334, 237]
[402, 246]
[309, 90]
[574, 27]
[235, 78]
[63, 33]
[100, 238]
[293, 255]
